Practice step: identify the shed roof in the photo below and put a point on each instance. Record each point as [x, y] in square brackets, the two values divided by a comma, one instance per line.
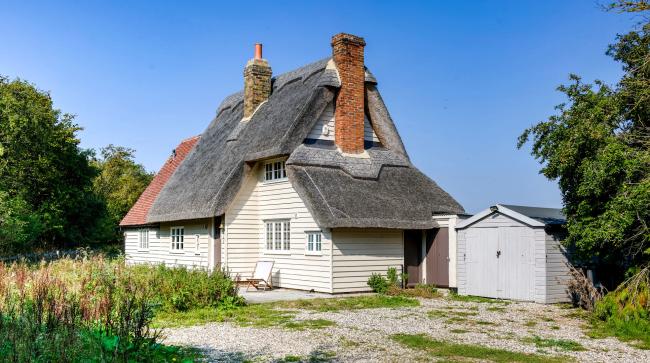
[532, 216]
[383, 190]
[137, 215]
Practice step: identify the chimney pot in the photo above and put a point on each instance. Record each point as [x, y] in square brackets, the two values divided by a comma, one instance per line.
[257, 82]
[258, 50]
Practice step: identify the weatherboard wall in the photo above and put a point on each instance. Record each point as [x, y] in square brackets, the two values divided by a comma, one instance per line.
[244, 244]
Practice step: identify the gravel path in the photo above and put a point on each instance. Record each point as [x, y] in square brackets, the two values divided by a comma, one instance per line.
[363, 335]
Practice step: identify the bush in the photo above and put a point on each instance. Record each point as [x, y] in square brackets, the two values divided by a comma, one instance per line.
[378, 283]
[625, 312]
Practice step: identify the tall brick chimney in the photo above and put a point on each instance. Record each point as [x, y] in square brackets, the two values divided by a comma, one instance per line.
[347, 51]
[257, 82]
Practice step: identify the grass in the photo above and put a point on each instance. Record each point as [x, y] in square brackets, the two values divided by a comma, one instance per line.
[255, 315]
[530, 323]
[459, 331]
[456, 351]
[562, 344]
[351, 303]
[477, 299]
[280, 314]
[635, 334]
[496, 309]
[314, 357]
[450, 313]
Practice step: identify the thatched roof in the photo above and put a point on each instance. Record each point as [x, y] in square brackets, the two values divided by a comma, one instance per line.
[385, 190]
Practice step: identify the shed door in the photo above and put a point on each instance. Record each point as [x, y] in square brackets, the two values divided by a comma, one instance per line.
[516, 263]
[500, 262]
[481, 262]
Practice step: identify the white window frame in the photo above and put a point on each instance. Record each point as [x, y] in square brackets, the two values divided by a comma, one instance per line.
[275, 171]
[314, 242]
[277, 236]
[177, 239]
[143, 239]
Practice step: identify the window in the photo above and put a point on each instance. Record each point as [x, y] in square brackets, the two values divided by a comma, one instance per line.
[314, 243]
[178, 237]
[144, 239]
[278, 235]
[274, 171]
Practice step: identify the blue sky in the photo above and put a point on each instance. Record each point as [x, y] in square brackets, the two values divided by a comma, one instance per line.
[461, 79]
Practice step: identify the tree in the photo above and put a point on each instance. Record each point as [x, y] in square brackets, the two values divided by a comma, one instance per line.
[596, 147]
[43, 172]
[119, 183]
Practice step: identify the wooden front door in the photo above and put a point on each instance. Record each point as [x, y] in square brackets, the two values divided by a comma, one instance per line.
[438, 257]
[412, 256]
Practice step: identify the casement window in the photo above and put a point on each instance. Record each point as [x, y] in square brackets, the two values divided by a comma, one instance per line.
[277, 235]
[314, 241]
[274, 171]
[143, 239]
[178, 238]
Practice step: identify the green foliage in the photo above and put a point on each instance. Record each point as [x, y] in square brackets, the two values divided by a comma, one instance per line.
[378, 283]
[79, 311]
[43, 170]
[467, 298]
[462, 352]
[119, 184]
[19, 226]
[562, 344]
[596, 147]
[625, 312]
[351, 303]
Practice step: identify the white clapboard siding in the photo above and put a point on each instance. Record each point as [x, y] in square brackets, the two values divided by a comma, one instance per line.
[557, 271]
[244, 244]
[327, 119]
[358, 253]
[160, 252]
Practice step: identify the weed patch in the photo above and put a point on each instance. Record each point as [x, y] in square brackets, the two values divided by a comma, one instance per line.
[351, 303]
[478, 299]
[563, 344]
[455, 351]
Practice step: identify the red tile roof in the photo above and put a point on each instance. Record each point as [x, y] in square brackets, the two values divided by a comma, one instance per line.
[137, 215]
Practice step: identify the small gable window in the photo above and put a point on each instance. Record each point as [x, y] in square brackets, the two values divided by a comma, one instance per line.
[178, 238]
[274, 170]
[143, 239]
[278, 235]
[314, 241]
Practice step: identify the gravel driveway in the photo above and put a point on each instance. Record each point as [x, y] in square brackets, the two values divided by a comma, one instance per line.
[364, 335]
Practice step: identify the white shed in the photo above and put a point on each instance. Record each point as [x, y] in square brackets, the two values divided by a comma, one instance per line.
[513, 252]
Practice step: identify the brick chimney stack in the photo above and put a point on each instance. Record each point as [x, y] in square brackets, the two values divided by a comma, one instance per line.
[347, 51]
[257, 82]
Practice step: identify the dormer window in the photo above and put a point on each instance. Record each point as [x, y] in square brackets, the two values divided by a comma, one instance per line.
[274, 170]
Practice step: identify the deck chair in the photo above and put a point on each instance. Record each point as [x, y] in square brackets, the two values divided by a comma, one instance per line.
[261, 275]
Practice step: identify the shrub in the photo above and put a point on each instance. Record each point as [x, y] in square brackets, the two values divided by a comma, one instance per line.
[378, 283]
[625, 312]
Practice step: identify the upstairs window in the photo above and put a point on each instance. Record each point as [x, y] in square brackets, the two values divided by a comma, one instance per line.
[274, 171]
[314, 241]
[143, 240]
[278, 235]
[178, 238]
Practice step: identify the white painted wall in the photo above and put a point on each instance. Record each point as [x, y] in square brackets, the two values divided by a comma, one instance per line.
[543, 281]
[357, 253]
[196, 245]
[244, 239]
[327, 119]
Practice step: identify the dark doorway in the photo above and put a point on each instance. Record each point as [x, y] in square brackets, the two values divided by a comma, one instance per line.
[438, 257]
[413, 256]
